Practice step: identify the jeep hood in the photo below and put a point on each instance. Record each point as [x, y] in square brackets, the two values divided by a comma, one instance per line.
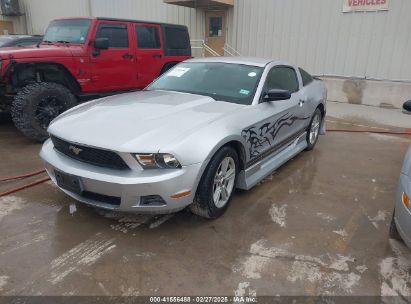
[44, 51]
[144, 121]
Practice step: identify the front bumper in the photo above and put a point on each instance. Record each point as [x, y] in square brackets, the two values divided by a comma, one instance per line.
[402, 215]
[128, 186]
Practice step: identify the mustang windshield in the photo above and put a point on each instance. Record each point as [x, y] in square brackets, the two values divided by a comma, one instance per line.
[228, 82]
[68, 30]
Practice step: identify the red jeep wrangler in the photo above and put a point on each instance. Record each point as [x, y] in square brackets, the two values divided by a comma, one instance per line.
[81, 59]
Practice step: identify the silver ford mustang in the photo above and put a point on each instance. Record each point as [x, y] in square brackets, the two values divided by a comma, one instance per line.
[400, 227]
[195, 134]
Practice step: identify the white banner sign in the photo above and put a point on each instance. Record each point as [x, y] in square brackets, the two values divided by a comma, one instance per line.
[365, 5]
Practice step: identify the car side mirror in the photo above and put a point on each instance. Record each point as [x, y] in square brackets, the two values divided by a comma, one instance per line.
[276, 94]
[101, 43]
[407, 107]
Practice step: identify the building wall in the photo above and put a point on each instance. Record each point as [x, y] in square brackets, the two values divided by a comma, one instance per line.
[19, 24]
[314, 34]
[317, 35]
[40, 12]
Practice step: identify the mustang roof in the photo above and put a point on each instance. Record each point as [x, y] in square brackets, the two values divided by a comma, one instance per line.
[261, 62]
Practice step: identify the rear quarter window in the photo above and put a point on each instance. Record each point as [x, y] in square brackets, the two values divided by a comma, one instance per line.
[307, 78]
[177, 38]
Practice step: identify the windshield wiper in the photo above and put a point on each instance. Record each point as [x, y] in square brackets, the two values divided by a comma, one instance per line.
[43, 41]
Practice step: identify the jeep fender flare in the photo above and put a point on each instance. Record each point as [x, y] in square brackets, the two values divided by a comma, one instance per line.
[23, 72]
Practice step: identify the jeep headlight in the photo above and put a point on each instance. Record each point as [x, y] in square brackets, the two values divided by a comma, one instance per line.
[157, 160]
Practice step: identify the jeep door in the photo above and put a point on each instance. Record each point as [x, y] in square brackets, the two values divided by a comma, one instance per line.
[149, 52]
[280, 122]
[113, 69]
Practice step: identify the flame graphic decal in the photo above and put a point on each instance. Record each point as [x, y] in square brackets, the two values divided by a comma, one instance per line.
[261, 138]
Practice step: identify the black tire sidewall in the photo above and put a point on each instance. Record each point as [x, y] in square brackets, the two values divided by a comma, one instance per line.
[204, 195]
[393, 232]
[28, 99]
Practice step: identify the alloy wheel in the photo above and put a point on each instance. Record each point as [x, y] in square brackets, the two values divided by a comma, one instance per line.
[315, 128]
[224, 180]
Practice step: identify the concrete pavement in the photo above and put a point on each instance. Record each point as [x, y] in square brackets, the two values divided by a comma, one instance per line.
[317, 226]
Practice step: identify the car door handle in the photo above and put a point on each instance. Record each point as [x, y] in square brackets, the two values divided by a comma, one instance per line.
[157, 56]
[301, 102]
[128, 56]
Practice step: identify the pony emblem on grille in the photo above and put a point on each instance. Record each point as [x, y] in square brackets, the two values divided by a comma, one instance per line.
[75, 150]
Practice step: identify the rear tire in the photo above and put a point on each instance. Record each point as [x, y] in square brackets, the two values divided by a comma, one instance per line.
[393, 229]
[37, 104]
[213, 179]
[313, 131]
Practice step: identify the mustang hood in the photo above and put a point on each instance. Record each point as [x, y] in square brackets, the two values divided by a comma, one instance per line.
[139, 122]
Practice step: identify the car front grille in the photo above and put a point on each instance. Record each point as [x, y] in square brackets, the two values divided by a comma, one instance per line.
[93, 156]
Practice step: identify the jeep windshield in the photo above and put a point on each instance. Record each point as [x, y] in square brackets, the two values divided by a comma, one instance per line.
[235, 83]
[67, 31]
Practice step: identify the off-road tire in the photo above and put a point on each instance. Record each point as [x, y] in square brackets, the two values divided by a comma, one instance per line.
[393, 233]
[203, 204]
[310, 145]
[4, 117]
[25, 104]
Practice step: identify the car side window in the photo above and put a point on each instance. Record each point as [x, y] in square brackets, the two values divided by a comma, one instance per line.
[117, 34]
[177, 38]
[307, 78]
[148, 37]
[283, 78]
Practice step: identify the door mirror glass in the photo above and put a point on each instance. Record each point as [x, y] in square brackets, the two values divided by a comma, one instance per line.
[407, 106]
[101, 43]
[276, 94]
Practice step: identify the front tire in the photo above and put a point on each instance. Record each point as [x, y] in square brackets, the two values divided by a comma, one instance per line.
[37, 104]
[217, 185]
[313, 131]
[393, 233]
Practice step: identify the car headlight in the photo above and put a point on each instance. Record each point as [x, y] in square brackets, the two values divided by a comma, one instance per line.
[158, 160]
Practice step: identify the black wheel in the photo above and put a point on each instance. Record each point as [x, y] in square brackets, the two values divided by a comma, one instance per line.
[313, 131]
[36, 105]
[217, 185]
[393, 229]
